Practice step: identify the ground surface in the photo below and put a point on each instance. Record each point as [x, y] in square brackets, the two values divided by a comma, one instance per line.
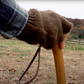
[15, 56]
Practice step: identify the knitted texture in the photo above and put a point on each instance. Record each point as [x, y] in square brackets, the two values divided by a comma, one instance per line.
[45, 28]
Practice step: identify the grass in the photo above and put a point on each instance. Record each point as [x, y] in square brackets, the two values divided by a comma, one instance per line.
[49, 83]
[15, 46]
[11, 46]
[19, 54]
[74, 47]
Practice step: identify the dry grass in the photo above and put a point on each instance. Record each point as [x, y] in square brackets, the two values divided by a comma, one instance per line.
[15, 56]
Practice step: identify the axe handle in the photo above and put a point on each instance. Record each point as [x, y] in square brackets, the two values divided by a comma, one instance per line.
[59, 65]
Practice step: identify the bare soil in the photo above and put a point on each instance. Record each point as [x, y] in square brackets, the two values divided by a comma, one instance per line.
[13, 64]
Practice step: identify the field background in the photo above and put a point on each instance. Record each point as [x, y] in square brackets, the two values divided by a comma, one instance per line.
[15, 56]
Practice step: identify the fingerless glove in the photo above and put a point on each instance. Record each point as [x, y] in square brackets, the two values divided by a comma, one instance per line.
[45, 28]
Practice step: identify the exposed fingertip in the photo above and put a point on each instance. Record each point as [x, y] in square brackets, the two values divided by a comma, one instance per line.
[61, 46]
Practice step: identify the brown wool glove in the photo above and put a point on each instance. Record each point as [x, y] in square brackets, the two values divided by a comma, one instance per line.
[45, 28]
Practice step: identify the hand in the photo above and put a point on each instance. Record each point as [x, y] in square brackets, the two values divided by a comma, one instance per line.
[46, 28]
[62, 44]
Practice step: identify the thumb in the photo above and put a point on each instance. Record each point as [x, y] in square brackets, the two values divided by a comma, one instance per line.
[62, 44]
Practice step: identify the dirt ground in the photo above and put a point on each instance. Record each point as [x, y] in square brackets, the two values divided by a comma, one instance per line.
[13, 64]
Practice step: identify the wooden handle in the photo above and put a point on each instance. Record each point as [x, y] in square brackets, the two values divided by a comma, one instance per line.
[59, 65]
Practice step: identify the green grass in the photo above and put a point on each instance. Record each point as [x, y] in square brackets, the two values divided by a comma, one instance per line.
[11, 46]
[20, 48]
[74, 47]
